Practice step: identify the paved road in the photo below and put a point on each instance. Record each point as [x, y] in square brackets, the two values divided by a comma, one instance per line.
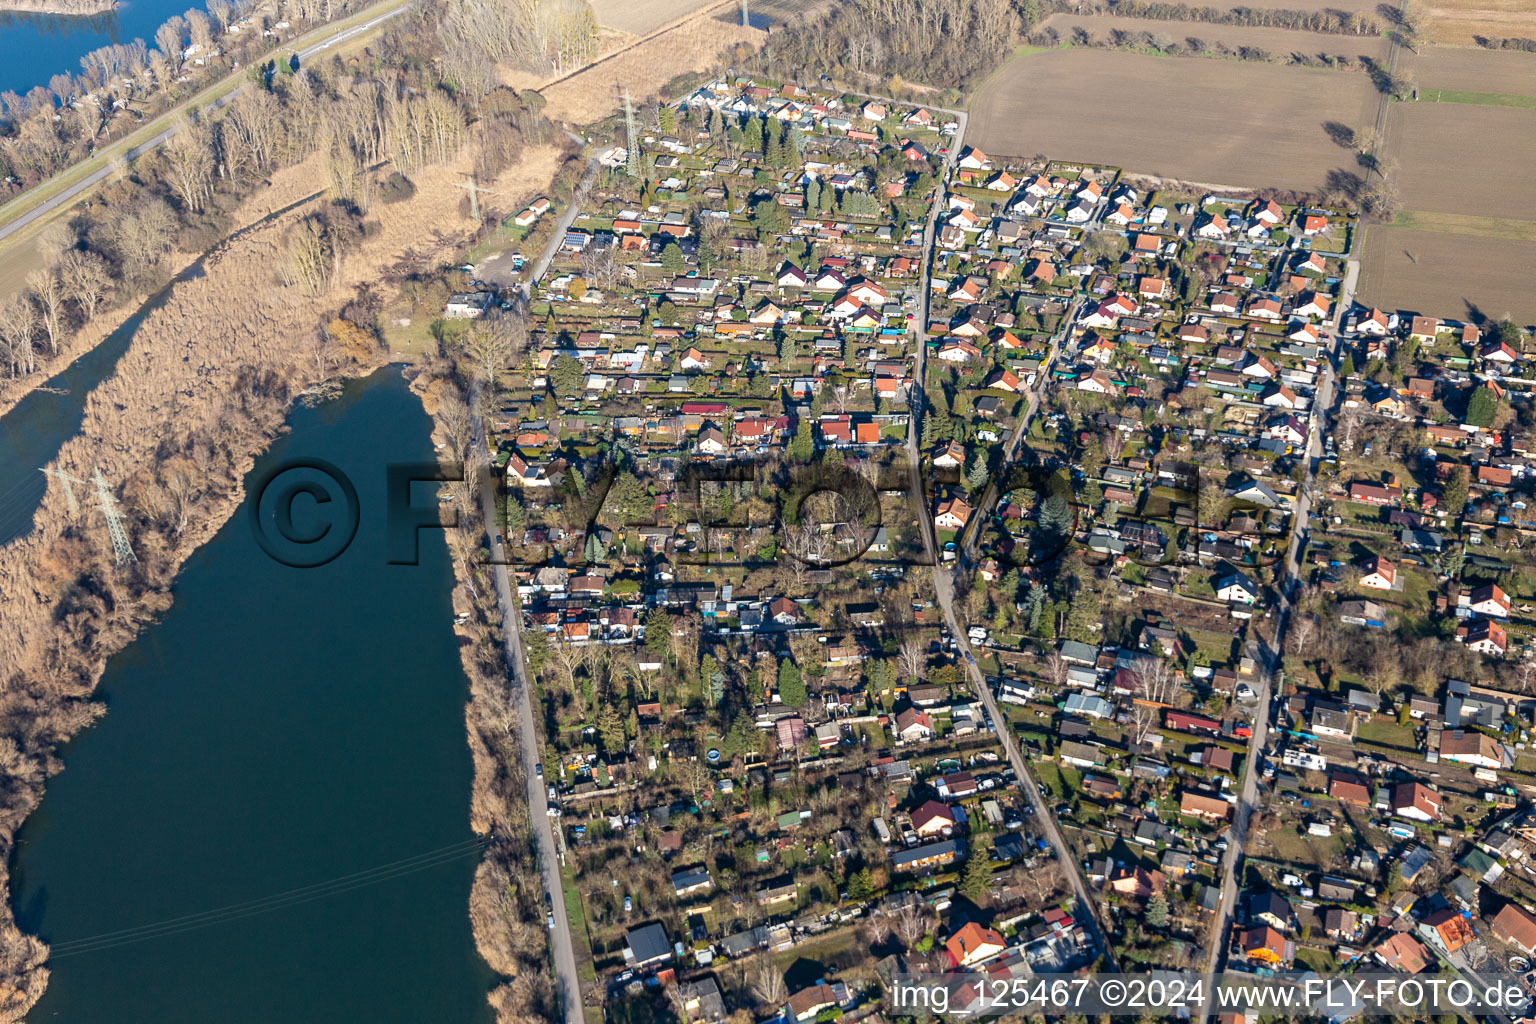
[498, 270]
[171, 117]
[983, 510]
[1271, 658]
[943, 582]
[562, 947]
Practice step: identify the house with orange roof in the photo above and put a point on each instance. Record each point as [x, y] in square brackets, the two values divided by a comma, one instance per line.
[973, 944]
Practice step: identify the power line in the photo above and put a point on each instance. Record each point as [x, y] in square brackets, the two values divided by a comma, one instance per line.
[121, 549]
[69, 492]
[631, 137]
[266, 904]
[475, 192]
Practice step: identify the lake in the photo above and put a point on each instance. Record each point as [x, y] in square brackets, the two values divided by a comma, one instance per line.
[271, 823]
[39, 46]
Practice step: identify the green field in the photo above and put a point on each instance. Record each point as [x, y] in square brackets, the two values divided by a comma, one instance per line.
[1480, 99]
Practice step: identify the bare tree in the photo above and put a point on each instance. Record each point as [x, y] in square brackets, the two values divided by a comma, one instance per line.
[49, 293]
[492, 344]
[54, 241]
[169, 38]
[85, 279]
[1525, 675]
[1056, 669]
[1303, 634]
[222, 11]
[189, 165]
[912, 657]
[911, 925]
[1042, 881]
[18, 324]
[768, 985]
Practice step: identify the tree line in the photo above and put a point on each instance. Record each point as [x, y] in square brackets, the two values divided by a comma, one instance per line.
[1157, 43]
[1330, 21]
[119, 85]
[184, 195]
[952, 43]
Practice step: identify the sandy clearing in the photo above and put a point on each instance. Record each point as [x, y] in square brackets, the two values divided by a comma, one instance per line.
[1447, 275]
[1432, 143]
[1278, 41]
[1245, 124]
[695, 45]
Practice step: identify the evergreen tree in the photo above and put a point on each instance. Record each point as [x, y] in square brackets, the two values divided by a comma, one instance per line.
[1157, 911]
[658, 632]
[1008, 586]
[861, 885]
[791, 684]
[977, 476]
[803, 448]
[1482, 407]
[1034, 607]
[712, 678]
[672, 260]
[610, 728]
[1455, 497]
[812, 194]
[977, 877]
[752, 136]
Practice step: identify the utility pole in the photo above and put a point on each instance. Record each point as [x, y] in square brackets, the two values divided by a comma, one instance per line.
[631, 137]
[69, 492]
[121, 549]
[475, 192]
[746, 20]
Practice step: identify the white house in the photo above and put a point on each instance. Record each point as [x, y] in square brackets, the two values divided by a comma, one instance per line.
[1237, 587]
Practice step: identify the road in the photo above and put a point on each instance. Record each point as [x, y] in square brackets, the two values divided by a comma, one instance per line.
[211, 98]
[983, 509]
[562, 947]
[1317, 416]
[498, 270]
[943, 582]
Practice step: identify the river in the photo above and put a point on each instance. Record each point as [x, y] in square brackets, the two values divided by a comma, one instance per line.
[39, 46]
[234, 841]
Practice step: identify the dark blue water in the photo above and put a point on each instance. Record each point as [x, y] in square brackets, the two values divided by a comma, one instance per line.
[35, 47]
[277, 736]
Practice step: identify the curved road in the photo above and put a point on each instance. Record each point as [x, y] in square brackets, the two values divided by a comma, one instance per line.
[67, 197]
[943, 579]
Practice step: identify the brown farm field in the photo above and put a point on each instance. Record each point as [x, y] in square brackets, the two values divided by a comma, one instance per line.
[1448, 275]
[1245, 125]
[1460, 22]
[1500, 71]
[1282, 42]
[1432, 141]
[642, 16]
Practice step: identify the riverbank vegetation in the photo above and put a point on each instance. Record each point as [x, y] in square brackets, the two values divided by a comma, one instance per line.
[211, 373]
[506, 901]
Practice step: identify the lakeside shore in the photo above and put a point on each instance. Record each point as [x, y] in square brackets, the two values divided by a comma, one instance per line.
[194, 388]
